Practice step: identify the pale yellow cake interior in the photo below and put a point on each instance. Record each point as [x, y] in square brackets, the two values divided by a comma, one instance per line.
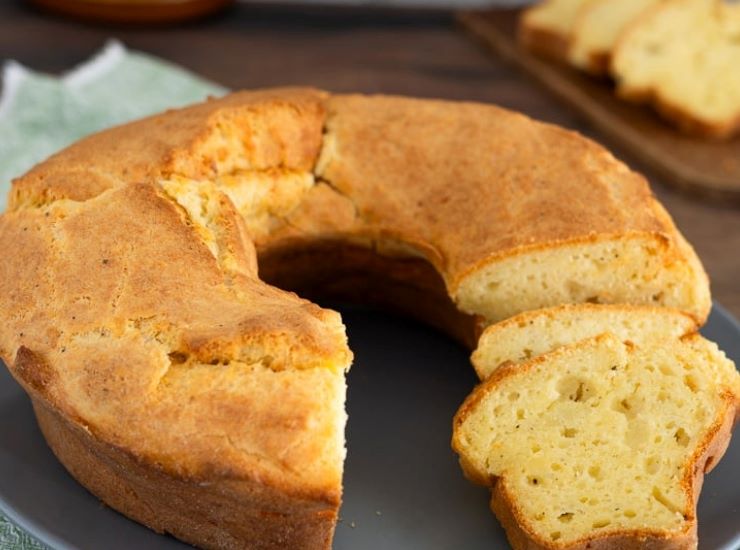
[687, 54]
[598, 437]
[583, 272]
[530, 334]
[597, 27]
[558, 16]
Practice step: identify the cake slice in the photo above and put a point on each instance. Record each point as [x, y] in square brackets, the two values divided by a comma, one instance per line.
[533, 333]
[683, 55]
[596, 29]
[600, 444]
[545, 28]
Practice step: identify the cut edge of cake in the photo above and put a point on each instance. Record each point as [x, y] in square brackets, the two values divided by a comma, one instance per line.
[533, 333]
[541, 465]
[639, 268]
[689, 115]
[545, 28]
[596, 30]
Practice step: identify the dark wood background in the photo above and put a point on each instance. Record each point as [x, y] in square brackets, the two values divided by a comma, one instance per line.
[402, 52]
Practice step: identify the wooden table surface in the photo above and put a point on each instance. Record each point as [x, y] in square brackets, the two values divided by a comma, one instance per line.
[421, 54]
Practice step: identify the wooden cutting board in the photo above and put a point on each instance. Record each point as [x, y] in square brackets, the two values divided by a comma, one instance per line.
[709, 168]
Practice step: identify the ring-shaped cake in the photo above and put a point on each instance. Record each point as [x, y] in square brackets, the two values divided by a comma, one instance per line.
[195, 393]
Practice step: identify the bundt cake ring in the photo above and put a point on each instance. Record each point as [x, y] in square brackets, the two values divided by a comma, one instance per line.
[176, 383]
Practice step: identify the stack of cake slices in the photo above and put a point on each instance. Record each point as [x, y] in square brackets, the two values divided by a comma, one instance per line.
[681, 56]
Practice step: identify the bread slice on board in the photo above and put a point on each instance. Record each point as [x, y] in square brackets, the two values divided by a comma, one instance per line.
[600, 444]
[684, 57]
[596, 29]
[546, 27]
[533, 333]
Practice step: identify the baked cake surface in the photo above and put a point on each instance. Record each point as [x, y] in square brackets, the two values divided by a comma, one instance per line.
[202, 401]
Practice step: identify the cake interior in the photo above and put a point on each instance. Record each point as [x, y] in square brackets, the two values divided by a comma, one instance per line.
[600, 437]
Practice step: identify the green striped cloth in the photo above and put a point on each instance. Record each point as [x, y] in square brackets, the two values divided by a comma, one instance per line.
[40, 114]
[12, 537]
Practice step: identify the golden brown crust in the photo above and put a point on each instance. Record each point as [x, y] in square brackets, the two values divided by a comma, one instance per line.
[409, 196]
[682, 119]
[272, 129]
[161, 351]
[277, 127]
[124, 322]
[542, 41]
[689, 124]
[505, 508]
[138, 277]
[598, 63]
[209, 515]
[408, 199]
[270, 446]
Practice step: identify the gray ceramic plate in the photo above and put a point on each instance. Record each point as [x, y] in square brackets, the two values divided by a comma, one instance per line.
[403, 487]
